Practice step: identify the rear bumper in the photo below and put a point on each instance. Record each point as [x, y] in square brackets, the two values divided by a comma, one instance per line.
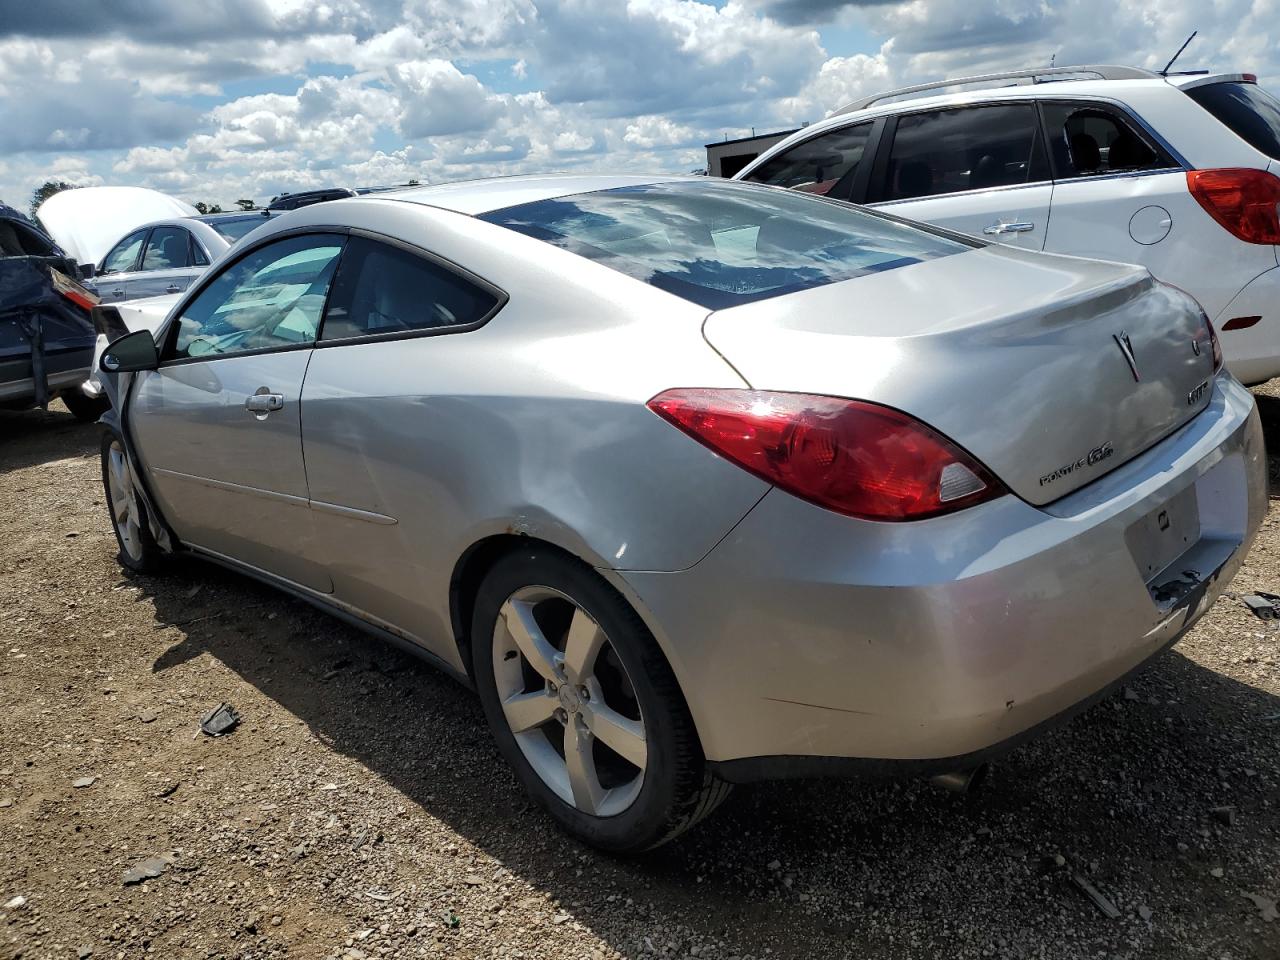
[806, 640]
[1253, 354]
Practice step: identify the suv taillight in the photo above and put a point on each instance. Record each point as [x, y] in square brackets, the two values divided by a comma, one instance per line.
[856, 458]
[1245, 201]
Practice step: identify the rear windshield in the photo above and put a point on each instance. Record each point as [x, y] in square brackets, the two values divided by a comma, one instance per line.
[236, 228]
[1251, 112]
[720, 244]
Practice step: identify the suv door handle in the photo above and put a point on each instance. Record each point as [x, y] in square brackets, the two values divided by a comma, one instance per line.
[264, 402]
[173, 288]
[999, 229]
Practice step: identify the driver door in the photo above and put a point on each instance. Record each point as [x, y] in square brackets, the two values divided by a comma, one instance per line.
[218, 425]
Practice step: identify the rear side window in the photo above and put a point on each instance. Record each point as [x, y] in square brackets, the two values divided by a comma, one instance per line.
[234, 229]
[825, 165]
[1088, 140]
[381, 290]
[1251, 113]
[720, 244]
[973, 148]
[167, 248]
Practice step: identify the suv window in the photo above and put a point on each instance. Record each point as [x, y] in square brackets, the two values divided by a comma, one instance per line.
[381, 289]
[167, 248]
[970, 148]
[825, 165]
[1250, 112]
[1087, 140]
[272, 298]
[124, 255]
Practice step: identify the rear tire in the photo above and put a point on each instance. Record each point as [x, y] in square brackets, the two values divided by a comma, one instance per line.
[85, 409]
[622, 711]
[139, 551]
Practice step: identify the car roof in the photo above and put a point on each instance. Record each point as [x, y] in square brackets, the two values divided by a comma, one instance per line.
[227, 216]
[483, 196]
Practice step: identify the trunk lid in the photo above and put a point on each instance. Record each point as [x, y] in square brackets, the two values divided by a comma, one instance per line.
[1015, 356]
[88, 221]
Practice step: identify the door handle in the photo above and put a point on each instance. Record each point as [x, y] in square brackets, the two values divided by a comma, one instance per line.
[264, 402]
[173, 288]
[117, 293]
[1000, 229]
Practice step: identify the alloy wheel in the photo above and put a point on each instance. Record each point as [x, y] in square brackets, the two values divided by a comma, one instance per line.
[124, 502]
[569, 702]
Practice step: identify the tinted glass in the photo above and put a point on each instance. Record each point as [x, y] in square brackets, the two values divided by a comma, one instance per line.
[1251, 112]
[1088, 140]
[722, 244]
[198, 257]
[236, 228]
[825, 165]
[124, 255]
[382, 289]
[167, 248]
[272, 298]
[947, 151]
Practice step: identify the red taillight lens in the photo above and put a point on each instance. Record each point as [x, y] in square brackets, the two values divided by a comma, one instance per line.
[1245, 201]
[856, 458]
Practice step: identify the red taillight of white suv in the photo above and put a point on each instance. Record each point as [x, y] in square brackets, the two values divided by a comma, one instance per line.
[856, 458]
[1245, 201]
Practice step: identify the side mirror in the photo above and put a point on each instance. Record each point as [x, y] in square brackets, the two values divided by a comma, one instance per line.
[88, 271]
[131, 353]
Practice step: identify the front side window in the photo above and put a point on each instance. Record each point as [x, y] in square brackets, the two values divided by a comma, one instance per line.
[825, 165]
[1248, 110]
[381, 289]
[124, 255]
[1089, 140]
[167, 248]
[270, 299]
[720, 244]
[974, 148]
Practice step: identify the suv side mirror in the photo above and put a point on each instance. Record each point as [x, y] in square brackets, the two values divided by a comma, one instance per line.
[131, 353]
[88, 271]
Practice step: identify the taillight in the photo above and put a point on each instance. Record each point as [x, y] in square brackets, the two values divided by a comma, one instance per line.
[1245, 201]
[1213, 343]
[856, 458]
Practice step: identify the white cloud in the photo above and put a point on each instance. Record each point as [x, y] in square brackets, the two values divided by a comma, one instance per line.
[437, 99]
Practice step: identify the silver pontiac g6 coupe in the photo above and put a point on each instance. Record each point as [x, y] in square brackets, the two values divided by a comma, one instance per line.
[696, 482]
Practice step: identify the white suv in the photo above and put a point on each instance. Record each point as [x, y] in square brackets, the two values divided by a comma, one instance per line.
[1177, 173]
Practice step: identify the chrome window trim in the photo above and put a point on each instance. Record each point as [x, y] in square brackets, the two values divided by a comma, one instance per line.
[963, 193]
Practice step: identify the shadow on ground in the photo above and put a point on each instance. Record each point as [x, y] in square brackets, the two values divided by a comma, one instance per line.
[862, 866]
[30, 437]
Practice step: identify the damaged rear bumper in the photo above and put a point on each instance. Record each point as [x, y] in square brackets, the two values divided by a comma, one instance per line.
[809, 643]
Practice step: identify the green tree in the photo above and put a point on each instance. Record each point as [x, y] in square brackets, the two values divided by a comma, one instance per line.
[207, 207]
[47, 190]
[246, 205]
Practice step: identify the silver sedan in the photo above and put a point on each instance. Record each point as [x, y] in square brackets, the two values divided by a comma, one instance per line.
[696, 482]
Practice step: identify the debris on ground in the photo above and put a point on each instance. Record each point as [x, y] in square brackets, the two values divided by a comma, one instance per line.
[1225, 815]
[1266, 906]
[222, 719]
[1099, 899]
[16, 903]
[148, 869]
[83, 782]
[1265, 606]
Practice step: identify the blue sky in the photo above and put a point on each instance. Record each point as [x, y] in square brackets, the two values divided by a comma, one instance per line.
[248, 98]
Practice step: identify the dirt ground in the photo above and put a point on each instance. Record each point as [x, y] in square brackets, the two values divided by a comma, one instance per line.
[361, 810]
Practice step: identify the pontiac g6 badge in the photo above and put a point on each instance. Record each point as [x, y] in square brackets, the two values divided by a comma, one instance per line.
[1126, 347]
[1096, 455]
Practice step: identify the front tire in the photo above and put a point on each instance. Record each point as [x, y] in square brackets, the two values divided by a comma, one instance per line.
[585, 707]
[139, 551]
[85, 409]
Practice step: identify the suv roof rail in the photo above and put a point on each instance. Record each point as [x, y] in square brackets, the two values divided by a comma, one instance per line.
[1021, 77]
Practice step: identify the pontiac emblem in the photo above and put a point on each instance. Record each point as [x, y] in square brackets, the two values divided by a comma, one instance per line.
[1126, 347]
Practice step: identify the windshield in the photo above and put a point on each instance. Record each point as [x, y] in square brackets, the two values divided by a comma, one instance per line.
[236, 228]
[720, 244]
[1250, 112]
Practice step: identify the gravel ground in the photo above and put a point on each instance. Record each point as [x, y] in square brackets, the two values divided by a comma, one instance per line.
[361, 810]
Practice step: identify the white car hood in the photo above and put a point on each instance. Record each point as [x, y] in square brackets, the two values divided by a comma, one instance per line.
[88, 221]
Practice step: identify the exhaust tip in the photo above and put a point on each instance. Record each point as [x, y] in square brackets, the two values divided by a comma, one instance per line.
[962, 781]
